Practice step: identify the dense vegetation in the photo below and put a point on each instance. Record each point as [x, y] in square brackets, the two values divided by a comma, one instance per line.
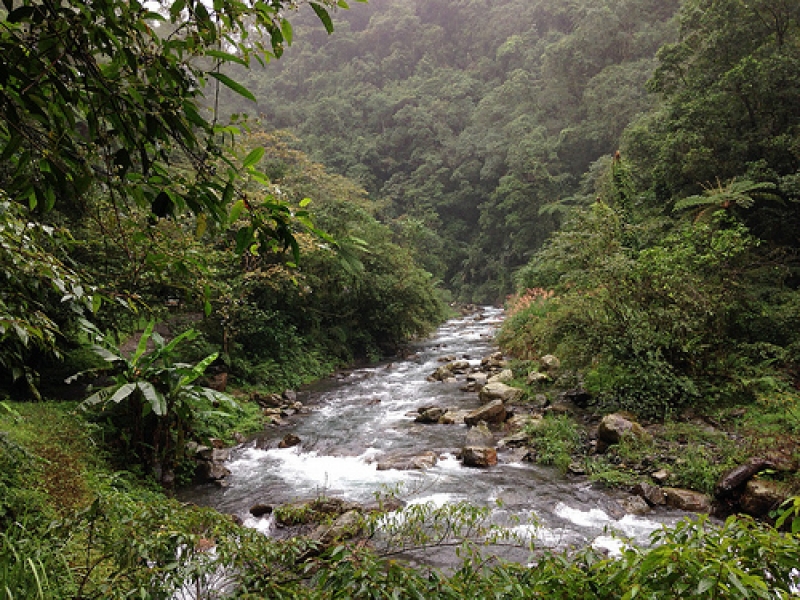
[677, 287]
[468, 119]
[149, 234]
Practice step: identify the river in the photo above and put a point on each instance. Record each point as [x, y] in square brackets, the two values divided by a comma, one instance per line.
[363, 415]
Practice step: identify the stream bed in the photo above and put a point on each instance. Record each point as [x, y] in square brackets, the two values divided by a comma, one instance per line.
[365, 415]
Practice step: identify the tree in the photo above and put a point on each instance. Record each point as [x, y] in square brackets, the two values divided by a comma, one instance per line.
[730, 85]
[116, 100]
[111, 94]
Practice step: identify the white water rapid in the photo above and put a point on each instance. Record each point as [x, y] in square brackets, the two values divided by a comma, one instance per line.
[358, 419]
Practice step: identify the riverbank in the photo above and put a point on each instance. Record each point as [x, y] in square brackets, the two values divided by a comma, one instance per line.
[694, 450]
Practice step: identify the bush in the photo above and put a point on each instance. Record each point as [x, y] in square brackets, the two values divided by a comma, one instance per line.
[555, 440]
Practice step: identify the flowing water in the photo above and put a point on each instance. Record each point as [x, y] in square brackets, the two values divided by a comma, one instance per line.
[363, 416]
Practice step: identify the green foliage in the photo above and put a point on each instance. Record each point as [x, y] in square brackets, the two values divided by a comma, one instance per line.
[649, 315]
[154, 400]
[555, 440]
[465, 140]
[728, 84]
[41, 294]
[697, 469]
[112, 96]
[361, 297]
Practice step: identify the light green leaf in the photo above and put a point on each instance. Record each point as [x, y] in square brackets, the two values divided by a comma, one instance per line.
[142, 346]
[236, 210]
[253, 158]
[705, 585]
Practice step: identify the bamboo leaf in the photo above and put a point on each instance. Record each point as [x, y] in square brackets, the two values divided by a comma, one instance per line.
[253, 158]
[235, 86]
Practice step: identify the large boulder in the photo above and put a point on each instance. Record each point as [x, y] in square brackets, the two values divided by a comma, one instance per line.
[687, 500]
[616, 425]
[761, 496]
[500, 391]
[473, 456]
[492, 412]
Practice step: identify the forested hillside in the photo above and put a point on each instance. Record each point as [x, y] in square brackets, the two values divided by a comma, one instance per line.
[472, 122]
[204, 206]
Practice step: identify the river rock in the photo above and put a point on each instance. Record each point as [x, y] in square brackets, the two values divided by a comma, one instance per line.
[290, 396]
[346, 526]
[651, 493]
[500, 391]
[267, 400]
[290, 440]
[503, 376]
[761, 496]
[494, 362]
[635, 505]
[479, 436]
[578, 396]
[259, 510]
[537, 378]
[737, 477]
[453, 417]
[687, 500]
[473, 456]
[459, 366]
[479, 379]
[517, 422]
[549, 363]
[406, 462]
[614, 426]
[515, 440]
[430, 414]
[208, 472]
[492, 412]
[661, 476]
[443, 373]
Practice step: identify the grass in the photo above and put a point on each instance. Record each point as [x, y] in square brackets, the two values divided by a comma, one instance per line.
[555, 440]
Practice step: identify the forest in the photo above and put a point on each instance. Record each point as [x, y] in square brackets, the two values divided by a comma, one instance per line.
[206, 203]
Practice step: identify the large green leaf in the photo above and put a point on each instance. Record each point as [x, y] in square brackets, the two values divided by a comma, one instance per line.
[123, 392]
[197, 370]
[155, 398]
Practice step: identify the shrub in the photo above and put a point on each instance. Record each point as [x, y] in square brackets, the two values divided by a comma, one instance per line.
[555, 440]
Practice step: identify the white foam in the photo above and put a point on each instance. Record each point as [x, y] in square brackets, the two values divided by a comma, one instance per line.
[613, 545]
[584, 518]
